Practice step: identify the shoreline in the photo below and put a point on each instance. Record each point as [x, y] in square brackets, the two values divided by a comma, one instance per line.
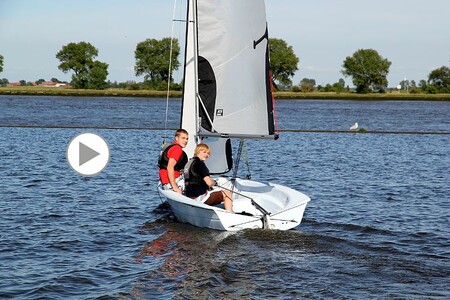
[51, 91]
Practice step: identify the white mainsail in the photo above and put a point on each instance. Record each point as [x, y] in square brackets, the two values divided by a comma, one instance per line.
[227, 42]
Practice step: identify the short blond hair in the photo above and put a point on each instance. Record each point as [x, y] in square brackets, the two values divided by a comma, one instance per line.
[201, 147]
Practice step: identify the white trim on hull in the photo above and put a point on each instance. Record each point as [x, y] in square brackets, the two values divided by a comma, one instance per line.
[285, 206]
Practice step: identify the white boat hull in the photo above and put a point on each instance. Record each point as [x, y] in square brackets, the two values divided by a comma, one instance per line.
[284, 207]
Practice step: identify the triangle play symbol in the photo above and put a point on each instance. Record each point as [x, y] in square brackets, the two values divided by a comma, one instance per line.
[86, 154]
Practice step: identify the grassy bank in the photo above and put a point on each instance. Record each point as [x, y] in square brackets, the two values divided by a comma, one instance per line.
[355, 96]
[50, 91]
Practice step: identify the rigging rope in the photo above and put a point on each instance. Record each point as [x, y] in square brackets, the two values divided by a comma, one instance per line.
[246, 161]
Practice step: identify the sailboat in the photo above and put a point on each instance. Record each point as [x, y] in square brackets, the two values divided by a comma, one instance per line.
[228, 97]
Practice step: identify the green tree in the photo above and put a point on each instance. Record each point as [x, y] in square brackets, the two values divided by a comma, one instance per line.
[307, 85]
[405, 84]
[422, 84]
[368, 70]
[440, 79]
[283, 62]
[4, 82]
[338, 87]
[98, 74]
[153, 59]
[1, 63]
[79, 57]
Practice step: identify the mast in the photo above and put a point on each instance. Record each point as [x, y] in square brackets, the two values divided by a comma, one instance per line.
[189, 108]
[195, 43]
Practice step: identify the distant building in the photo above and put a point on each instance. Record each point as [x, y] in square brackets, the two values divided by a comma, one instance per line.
[55, 84]
[43, 84]
[49, 84]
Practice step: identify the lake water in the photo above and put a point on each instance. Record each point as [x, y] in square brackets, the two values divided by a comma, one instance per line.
[377, 227]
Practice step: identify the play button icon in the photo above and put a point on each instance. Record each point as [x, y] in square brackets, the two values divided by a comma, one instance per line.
[88, 154]
[85, 154]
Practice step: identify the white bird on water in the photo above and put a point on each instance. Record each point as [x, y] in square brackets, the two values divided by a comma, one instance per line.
[354, 126]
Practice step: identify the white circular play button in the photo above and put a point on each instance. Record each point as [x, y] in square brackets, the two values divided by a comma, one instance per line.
[88, 154]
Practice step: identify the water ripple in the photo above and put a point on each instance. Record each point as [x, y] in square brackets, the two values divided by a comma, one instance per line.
[377, 225]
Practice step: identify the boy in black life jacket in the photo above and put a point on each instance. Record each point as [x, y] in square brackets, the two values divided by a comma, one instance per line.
[198, 181]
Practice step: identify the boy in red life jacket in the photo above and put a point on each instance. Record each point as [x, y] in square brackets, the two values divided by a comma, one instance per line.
[172, 160]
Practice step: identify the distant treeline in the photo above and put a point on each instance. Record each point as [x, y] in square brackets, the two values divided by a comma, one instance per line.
[279, 95]
[367, 69]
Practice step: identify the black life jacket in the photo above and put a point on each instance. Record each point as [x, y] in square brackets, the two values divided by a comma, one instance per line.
[164, 159]
[190, 176]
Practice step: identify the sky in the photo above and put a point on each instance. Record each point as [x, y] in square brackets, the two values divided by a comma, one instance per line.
[414, 35]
